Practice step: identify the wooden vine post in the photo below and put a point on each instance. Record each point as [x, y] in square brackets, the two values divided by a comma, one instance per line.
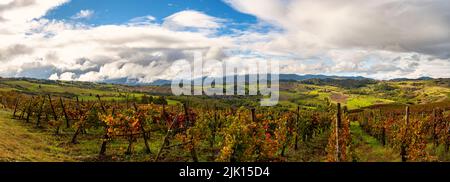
[186, 115]
[16, 105]
[297, 125]
[29, 109]
[106, 136]
[65, 113]
[435, 137]
[213, 126]
[126, 99]
[337, 126]
[81, 122]
[288, 125]
[404, 145]
[81, 116]
[75, 135]
[187, 123]
[253, 114]
[258, 145]
[166, 138]
[55, 117]
[141, 126]
[163, 113]
[23, 111]
[383, 128]
[77, 104]
[38, 120]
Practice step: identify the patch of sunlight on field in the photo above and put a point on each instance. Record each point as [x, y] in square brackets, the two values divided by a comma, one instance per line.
[287, 103]
[287, 94]
[173, 102]
[365, 101]
[108, 98]
[6, 89]
[314, 92]
[436, 90]
[36, 87]
[320, 95]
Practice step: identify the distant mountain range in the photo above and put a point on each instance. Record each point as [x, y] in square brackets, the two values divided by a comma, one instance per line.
[409, 79]
[295, 77]
[282, 77]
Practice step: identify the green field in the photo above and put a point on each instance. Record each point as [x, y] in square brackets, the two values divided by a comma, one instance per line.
[365, 101]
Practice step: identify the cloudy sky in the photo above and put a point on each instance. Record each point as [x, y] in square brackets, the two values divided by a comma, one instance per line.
[145, 40]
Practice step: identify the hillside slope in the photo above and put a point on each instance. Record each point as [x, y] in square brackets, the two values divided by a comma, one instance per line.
[19, 144]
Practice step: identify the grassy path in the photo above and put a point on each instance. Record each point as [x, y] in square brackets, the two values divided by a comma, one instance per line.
[369, 149]
[17, 143]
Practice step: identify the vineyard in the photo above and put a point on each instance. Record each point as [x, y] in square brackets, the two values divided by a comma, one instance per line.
[107, 130]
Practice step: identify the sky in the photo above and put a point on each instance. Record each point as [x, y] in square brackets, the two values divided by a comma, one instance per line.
[145, 40]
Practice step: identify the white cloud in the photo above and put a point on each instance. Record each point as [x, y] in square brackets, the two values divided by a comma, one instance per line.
[143, 20]
[67, 76]
[192, 19]
[15, 16]
[313, 27]
[142, 51]
[54, 76]
[25, 10]
[84, 14]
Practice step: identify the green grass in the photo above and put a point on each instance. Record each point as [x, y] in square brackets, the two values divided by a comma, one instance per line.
[369, 149]
[20, 143]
